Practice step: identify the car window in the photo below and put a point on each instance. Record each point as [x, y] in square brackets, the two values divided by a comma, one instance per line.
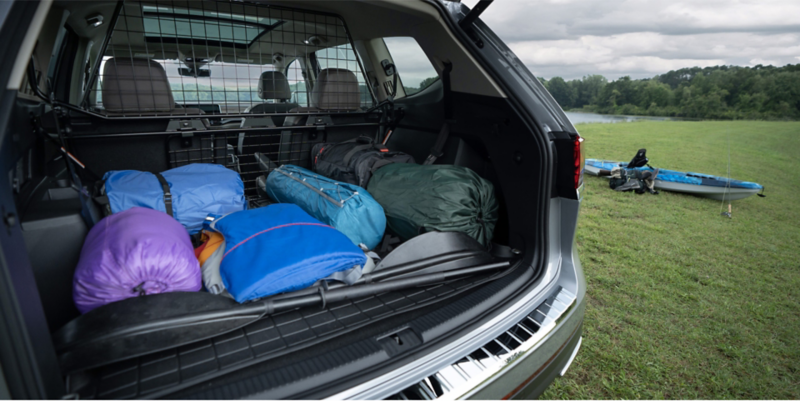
[214, 54]
[231, 86]
[343, 56]
[414, 69]
[297, 83]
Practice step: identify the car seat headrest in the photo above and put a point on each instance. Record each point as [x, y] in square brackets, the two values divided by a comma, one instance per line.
[136, 85]
[336, 89]
[274, 85]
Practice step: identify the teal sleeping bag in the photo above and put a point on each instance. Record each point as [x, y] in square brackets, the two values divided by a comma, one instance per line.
[422, 198]
[346, 207]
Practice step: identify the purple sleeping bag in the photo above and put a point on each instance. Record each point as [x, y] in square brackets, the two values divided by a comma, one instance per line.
[135, 252]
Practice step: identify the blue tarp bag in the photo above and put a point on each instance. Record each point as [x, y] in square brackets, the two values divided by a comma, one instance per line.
[196, 190]
[280, 248]
[348, 208]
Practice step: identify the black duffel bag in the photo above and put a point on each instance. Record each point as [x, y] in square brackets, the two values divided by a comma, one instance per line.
[354, 161]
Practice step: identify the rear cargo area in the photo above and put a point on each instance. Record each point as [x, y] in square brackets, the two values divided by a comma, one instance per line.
[54, 233]
[252, 105]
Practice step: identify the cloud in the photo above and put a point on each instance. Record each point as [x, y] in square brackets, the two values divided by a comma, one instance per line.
[757, 61]
[644, 37]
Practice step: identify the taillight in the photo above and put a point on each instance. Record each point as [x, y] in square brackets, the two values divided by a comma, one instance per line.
[579, 160]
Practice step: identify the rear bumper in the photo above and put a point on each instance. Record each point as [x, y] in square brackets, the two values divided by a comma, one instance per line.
[538, 341]
[533, 372]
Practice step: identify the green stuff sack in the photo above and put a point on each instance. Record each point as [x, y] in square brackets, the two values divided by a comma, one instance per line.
[422, 198]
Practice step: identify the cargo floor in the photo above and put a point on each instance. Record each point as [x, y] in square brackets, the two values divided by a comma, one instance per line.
[164, 372]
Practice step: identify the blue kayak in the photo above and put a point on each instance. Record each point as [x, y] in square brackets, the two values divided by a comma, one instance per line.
[707, 186]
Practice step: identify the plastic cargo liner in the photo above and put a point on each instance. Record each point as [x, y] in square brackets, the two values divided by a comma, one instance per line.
[305, 378]
[165, 372]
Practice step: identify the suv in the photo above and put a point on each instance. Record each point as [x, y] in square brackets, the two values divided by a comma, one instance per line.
[151, 85]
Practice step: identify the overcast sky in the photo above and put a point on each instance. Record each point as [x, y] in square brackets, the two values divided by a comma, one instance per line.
[643, 38]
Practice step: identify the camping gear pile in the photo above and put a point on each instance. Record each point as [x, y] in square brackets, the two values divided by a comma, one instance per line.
[310, 239]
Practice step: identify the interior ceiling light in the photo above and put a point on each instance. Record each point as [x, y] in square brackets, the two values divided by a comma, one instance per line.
[94, 20]
[314, 40]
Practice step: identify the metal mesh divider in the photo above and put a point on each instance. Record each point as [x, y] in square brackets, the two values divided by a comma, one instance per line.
[194, 57]
[281, 147]
[219, 62]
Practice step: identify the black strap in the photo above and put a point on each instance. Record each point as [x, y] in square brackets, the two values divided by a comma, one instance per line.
[167, 194]
[436, 150]
[447, 94]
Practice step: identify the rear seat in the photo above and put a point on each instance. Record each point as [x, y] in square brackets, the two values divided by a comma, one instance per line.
[336, 89]
[139, 86]
[273, 85]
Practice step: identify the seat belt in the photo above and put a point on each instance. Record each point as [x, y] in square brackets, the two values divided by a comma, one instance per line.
[436, 150]
[89, 211]
[167, 194]
[444, 133]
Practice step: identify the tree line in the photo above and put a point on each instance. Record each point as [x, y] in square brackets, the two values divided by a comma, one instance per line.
[720, 92]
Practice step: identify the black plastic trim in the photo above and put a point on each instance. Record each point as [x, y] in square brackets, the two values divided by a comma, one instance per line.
[26, 352]
[564, 183]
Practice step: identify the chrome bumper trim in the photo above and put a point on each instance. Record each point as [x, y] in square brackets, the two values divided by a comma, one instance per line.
[463, 376]
[572, 357]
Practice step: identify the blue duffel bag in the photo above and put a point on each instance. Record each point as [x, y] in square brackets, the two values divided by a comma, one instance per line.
[280, 248]
[188, 193]
[346, 207]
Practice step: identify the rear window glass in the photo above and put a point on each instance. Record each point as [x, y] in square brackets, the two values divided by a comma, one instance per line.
[414, 69]
[225, 28]
[214, 53]
[231, 87]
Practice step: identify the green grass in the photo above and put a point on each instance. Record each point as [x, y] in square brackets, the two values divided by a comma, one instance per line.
[684, 303]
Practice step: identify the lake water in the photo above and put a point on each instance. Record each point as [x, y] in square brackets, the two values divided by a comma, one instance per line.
[580, 117]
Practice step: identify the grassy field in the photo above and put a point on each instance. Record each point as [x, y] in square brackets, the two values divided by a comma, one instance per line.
[684, 303]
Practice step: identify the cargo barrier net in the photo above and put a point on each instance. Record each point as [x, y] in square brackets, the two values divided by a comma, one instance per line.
[233, 79]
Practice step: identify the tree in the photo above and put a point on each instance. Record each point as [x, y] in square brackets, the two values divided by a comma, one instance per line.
[427, 82]
[410, 90]
[562, 92]
[710, 92]
[589, 88]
